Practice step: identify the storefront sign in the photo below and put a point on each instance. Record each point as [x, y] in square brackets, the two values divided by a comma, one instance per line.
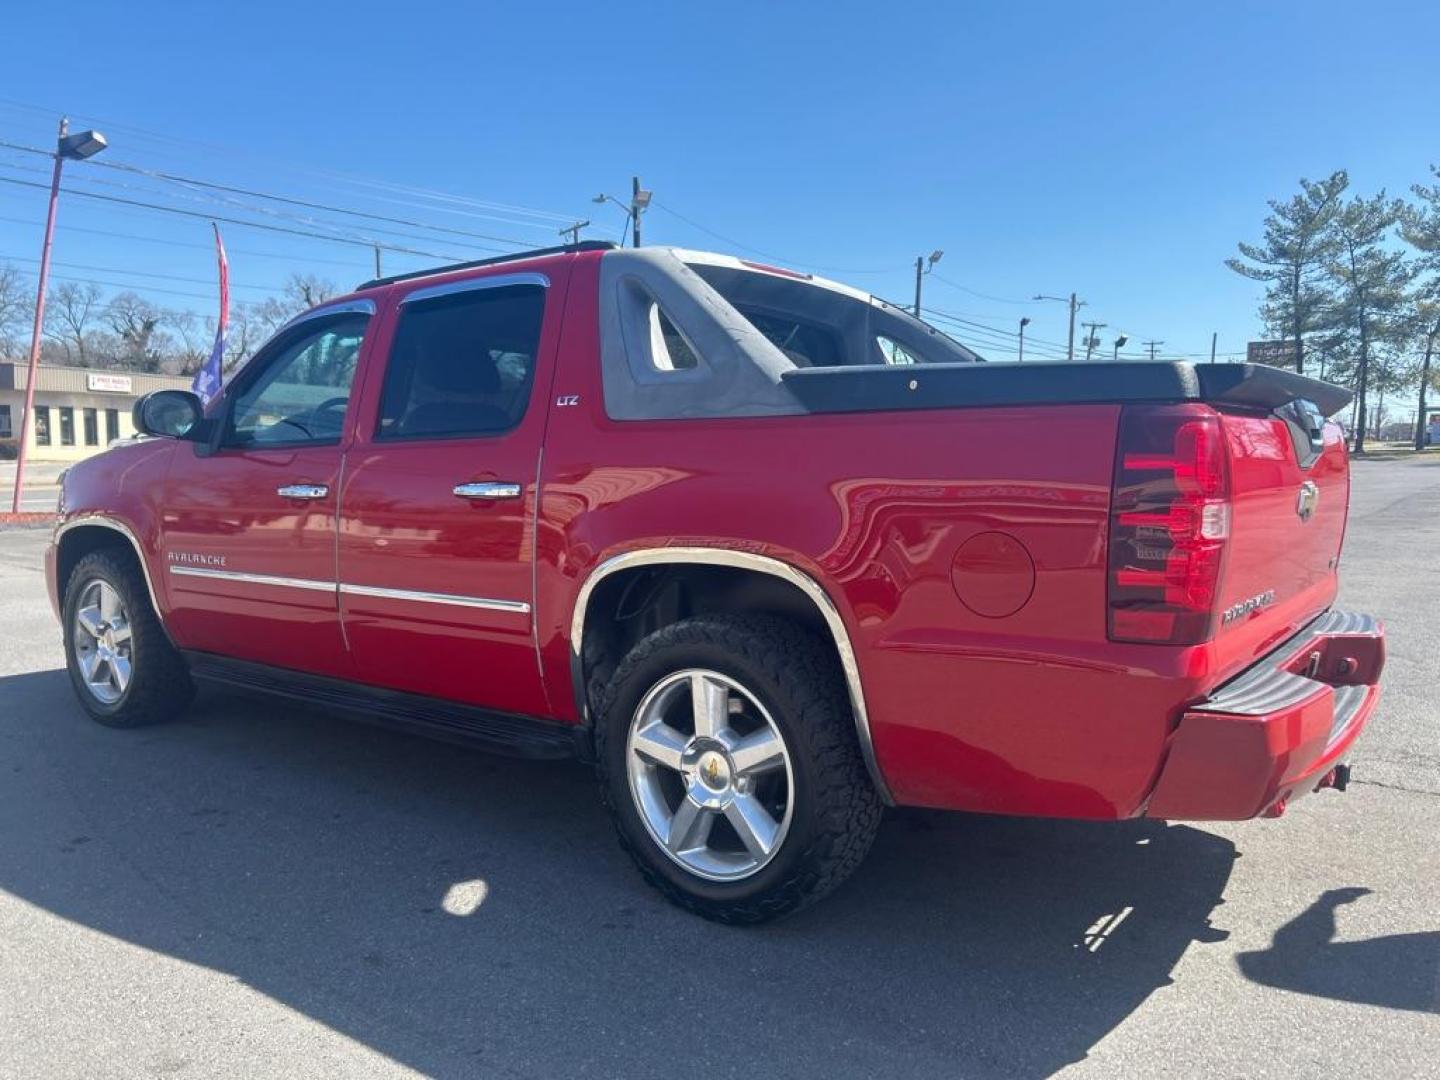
[105, 383]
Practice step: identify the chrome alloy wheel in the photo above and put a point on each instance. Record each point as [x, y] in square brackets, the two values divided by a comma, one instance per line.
[104, 646]
[710, 774]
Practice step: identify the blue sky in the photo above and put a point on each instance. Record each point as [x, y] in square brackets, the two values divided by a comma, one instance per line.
[1119, 150]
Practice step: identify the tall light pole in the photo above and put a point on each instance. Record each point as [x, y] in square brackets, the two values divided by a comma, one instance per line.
[923, 265]
[1024, 322]
[75, 147]
[639, 203]
[1090, 339]
[1075, 305]
[1119, 344]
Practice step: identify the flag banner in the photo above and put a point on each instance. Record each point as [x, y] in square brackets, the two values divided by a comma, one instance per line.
[210, 378]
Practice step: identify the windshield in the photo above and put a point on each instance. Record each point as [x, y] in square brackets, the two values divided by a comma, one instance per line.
[823, 327]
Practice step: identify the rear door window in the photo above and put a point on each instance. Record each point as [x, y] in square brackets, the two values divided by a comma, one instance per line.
[462, 364]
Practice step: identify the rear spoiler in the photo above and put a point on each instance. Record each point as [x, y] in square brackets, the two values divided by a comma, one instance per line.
[1258, 386]
[880, 387]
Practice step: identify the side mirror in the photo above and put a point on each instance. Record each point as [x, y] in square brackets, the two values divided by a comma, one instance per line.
[169, 414]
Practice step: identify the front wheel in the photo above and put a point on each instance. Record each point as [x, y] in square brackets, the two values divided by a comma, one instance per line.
[728, 759]
[123, 667]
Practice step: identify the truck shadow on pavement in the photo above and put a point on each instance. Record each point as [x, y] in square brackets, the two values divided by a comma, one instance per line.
[463, 913]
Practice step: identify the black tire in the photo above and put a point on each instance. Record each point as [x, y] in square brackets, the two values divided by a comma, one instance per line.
[159, 685]
[835, 809]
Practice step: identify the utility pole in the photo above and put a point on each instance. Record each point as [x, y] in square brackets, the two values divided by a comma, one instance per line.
[1074, 308]
[574, 231]
[639, 200]
[378, 273]
[1075, 305]
[1024, 322]
[1213, 337]
[921, 269]
[1090, 339]
[1151, 346]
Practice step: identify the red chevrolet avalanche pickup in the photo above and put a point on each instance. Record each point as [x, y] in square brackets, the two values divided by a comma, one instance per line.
[770, 552]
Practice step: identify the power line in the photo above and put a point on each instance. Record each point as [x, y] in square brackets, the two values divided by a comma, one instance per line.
[756, 251]
[350, 264]
[190, 145]
[143, 273]
[208, 200]
[230, 220]
[126, 285]
[983, 296]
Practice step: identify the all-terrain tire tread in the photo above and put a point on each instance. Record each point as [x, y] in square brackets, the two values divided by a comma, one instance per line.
[849, 809]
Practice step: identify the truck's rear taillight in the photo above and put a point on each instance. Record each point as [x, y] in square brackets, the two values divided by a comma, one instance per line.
[1169, 520]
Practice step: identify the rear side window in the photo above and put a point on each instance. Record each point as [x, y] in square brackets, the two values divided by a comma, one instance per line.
[669, 349]
[462, 364]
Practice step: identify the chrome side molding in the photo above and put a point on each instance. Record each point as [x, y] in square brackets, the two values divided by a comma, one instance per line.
[515, 607]
[253, 579]
[414, 596]
[743, 560]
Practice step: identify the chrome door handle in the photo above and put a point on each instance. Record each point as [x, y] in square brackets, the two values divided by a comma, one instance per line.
[303, 491]
[487, 489]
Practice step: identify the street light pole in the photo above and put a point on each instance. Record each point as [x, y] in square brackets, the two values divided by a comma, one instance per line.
[635, 210]
[85, 144]
[1075, 305]
[1024, 322]
[1120, 340]
[921, 269]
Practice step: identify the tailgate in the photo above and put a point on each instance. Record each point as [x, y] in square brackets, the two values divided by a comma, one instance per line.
[1289, 495]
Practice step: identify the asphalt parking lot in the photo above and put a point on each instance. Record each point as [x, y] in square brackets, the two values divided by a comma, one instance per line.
[262, 890]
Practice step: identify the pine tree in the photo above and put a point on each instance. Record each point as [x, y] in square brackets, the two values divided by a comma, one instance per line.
[1298, 243]
[1371, 290]
[1420, 225]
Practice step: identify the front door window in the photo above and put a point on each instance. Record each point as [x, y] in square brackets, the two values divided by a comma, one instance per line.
[302, 395]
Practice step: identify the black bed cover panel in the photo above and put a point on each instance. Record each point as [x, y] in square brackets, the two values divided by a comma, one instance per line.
[881, 388]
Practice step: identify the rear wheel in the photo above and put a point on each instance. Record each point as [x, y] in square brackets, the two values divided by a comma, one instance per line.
[729, 761]
[124, 669]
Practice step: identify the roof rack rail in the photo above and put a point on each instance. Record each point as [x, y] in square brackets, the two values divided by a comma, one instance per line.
[564, 249]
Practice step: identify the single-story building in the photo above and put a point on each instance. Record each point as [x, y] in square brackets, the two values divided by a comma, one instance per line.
[78, 411]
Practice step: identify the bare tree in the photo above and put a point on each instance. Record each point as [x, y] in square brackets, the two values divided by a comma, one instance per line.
[307, 290]
[70, 314]
[1292, 259]
[135, 322]
[191, 342]
[16, 309]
